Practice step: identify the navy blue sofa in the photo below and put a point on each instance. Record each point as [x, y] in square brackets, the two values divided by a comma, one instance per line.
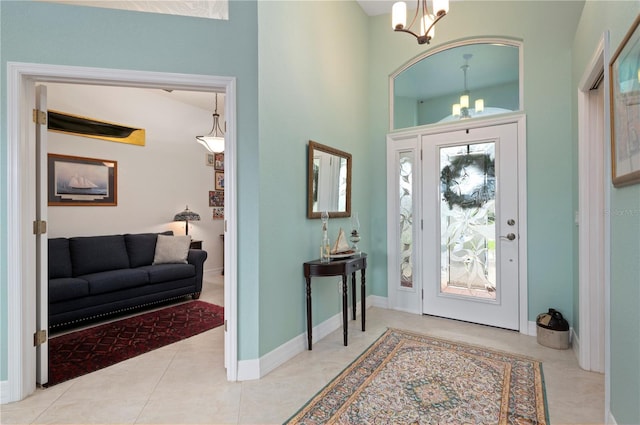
[95, 276]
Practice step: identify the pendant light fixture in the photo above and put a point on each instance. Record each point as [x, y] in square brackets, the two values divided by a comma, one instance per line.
[427, 19]
[214, 141]
[461, 109]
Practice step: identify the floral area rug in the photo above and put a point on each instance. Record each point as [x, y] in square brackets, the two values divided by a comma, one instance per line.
[407, 378]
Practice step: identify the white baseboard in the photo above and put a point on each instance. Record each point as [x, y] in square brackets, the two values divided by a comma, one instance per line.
[377, 301]
[4, 392]
[610, 419]
[533, 330]
[248, 370]
[216, 271]
[257, 368]
[575, 345]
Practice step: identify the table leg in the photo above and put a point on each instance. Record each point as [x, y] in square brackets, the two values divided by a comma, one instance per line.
[353, 295]
[345, 305]
[362, 297]
[309, 324]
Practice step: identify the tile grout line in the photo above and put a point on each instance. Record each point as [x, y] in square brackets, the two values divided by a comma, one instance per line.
[155, 387]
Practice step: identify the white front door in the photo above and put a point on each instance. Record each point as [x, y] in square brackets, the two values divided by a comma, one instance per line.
[471, 225]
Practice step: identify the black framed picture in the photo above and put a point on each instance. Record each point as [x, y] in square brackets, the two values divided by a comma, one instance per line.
[79, 181]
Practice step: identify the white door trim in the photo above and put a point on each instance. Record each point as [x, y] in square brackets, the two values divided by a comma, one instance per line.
[591, 216]
[594, 231]
[21, 80]
[521, 121]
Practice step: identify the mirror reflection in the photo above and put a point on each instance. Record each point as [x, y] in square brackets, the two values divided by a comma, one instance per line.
[466, 81]
[329, 181]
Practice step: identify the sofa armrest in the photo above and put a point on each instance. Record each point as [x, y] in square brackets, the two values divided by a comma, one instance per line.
[197, 258]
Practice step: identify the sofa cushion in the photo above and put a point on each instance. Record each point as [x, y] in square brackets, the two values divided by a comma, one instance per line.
[172, 249]
[95, 254]
[59, 258]
[115, 280]
[167, 272]
[67, 288]
[141, 247]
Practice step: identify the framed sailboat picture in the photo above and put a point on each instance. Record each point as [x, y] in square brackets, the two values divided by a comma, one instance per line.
[78, 181]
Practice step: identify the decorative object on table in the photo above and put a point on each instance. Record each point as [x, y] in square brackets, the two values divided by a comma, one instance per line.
[341, 248]
[406, 378]
[62, 122]
[218, 213]
[219, 180]
[214, 141]
[624, 75]
[79, 181]
[216, 198]
[325, 246]
[355, 233]
[78, 353]
[187, 215]
[219, 161]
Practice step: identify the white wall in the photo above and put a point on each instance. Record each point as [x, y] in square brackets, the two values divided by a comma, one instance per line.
[155, 181]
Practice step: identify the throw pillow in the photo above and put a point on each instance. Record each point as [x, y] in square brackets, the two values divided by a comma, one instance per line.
[172, 249]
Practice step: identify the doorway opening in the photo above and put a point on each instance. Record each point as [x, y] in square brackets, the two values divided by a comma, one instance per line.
[21, 209]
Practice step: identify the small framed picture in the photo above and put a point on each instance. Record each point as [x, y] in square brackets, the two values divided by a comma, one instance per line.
[211, 162]
[218, 213]
[219, 161]
[219, 180]
[216, 198]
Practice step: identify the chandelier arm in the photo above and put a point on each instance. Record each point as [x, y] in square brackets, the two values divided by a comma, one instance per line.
[407, 31]
[413, 21]
[425, 9]
[435, 21]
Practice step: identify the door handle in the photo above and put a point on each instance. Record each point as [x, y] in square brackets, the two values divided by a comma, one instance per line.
[510, 236]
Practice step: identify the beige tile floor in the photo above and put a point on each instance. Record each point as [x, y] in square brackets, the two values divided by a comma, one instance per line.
[185, 383]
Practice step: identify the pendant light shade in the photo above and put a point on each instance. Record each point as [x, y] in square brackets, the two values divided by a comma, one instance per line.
[187, 215]
[461, 110]
[214, 141]
[427, 18]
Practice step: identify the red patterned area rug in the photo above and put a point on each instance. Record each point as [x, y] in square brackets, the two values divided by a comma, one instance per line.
[78, 353]
[407, 378]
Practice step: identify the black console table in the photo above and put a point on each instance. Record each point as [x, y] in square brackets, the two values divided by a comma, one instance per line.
[338, 267]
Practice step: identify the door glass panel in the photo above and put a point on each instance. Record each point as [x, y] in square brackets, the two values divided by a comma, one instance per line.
[405, 181]
[467, 220]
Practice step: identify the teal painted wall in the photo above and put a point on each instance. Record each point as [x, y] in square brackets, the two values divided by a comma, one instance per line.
[328, 81]
[624, 213]
[88, 36]
[547, 104]
[313, 86]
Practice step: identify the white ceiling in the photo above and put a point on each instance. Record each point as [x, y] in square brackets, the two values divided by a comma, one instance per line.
[380, 7]
[202, 100]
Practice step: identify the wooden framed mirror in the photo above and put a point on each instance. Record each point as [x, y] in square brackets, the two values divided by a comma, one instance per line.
[328, 181]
